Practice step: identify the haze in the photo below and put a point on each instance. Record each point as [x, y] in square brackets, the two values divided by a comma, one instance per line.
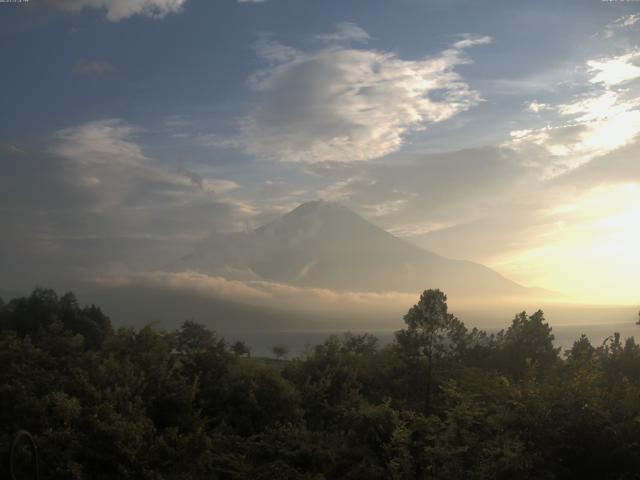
[159, 146]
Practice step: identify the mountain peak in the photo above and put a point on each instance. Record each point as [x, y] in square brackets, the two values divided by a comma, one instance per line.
[319, 206]
[326, 245]
[330, 220]
[315, 213]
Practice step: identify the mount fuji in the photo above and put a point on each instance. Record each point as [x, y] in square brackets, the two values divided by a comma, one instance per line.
[325, 245]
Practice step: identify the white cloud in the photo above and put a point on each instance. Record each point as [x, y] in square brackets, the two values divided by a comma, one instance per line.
[593, 125]
[346, 32]
[98, 142]
[537, 107]
[342, 104]
[615, 70]
[116, 10]
[593, 107]
[559, 149]
[471, 41]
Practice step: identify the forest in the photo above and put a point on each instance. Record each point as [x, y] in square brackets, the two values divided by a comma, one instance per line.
[441, 401]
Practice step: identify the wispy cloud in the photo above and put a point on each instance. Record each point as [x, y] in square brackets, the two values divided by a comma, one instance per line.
[591, 125]
[116, 10]
[619, 23]
[92, 67]
[345, 33]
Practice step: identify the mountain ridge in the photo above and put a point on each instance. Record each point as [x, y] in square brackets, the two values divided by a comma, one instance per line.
[326, 245]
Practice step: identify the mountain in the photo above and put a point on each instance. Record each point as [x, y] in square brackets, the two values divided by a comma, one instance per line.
[326, 245]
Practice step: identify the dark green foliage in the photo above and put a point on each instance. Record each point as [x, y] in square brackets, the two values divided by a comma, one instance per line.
[240, 348]
[193, 337]
[280, 351]
[441, 402]
[432, 334]
[527, 344]
[43, 311]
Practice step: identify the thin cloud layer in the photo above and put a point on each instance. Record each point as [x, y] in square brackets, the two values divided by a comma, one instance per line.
[341, 104]
[116, 10]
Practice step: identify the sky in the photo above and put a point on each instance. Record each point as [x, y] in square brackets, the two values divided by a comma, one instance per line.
[507, 133]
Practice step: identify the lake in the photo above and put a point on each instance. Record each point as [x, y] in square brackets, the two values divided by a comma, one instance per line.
[297, 340]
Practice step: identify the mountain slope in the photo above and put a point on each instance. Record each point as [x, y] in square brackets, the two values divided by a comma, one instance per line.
[325, 245]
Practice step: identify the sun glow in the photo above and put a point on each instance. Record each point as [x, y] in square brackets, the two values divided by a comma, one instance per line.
[592, 251]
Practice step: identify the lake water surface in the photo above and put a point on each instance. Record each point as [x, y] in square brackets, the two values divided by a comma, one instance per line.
[298, 340]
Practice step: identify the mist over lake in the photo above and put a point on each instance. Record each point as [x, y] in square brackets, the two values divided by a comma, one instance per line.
[299, 342]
